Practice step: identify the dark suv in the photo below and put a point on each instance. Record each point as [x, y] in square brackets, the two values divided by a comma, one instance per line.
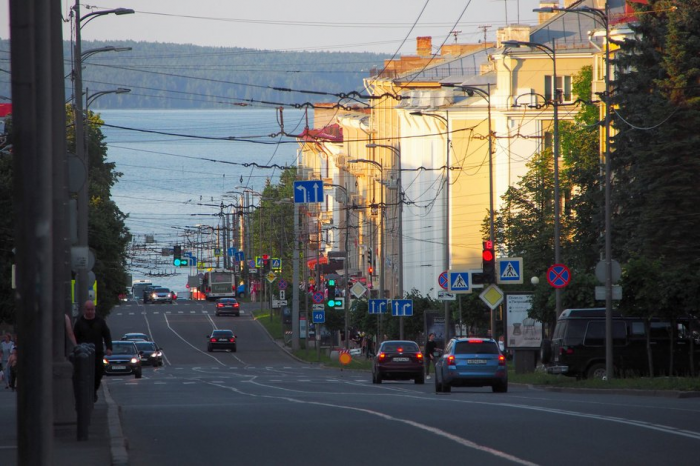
[577, 348]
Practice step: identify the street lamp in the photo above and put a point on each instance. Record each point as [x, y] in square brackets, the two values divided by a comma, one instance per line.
[603, 16]
[91, 98]
[551, 53]
[381, 237]
[486, 95]
[445, 119]
[397, 153]
[83, 195]
[347, 258]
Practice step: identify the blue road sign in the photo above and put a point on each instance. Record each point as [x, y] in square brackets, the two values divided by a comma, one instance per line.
[459, 281]
[240, 256]
[276, 264]
[186, 254]
[442, 280]
[308, 191]
[258, 261]
[558, 275]
[401, 307]
[231, 252]
[509, 270]
[319, 317]
[378, 306]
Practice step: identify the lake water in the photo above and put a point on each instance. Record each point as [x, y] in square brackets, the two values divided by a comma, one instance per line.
[177, 170]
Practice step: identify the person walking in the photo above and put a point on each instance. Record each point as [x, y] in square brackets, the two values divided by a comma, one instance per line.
[5, 350]
[430, 347]
[90, 328]
[12, 366]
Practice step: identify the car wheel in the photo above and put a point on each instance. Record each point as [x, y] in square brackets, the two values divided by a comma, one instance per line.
[138, 373]
[217, 314]
[596, 371]
[438, 385]
[379, 377]
[234, 349]
[420, 380]
[546, 351]
[209, 348]
[501, 387]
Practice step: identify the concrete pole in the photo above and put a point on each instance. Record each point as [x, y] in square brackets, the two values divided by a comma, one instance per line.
[30, 54]
[295, 284]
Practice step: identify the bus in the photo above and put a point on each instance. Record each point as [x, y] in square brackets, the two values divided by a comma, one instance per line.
[219, 284]
[137, 287]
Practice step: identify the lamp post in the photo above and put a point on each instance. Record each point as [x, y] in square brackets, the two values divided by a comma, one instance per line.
[486, 95]
[345, 265]
[603, 16]
[446, 120]
[552, 54]
[381, 236]
[80, 151]
[397, 153]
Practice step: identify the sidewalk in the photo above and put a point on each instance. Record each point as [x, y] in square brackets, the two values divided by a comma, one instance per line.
[105, 444]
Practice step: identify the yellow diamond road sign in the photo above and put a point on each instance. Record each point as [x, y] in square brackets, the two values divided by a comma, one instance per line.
[492, 296]
[271, 277]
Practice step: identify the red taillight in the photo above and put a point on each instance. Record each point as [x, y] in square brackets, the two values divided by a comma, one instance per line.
[236, 305]
[476, 341]
[382, 356]
[501, 360]
[419, 355]
[451, 360]
[213, 340]
[563, 350]
[232, 340]
[219, 305]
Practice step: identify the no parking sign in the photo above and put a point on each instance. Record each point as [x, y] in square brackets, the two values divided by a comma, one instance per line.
[558, 276]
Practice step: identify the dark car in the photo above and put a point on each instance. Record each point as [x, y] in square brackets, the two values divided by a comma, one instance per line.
[228, 306]
[148, 293]
[471, 362]
[221, 339]
[124, 359]
[150, 353]
[136, 336]
[577, 348]
[398, 360]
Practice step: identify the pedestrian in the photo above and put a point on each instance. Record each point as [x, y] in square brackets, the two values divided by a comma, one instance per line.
[430, 347]
[12, 365]
[5, 351]
[90, 328]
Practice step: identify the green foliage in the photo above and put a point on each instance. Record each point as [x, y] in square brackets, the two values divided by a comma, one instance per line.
[655, 164]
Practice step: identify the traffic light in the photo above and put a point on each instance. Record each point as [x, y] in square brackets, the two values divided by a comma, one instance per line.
[177, 256]
[330, 286]
[488, 262]
[266, 262]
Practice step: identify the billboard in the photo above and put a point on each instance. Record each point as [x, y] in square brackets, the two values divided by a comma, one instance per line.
[521, 331]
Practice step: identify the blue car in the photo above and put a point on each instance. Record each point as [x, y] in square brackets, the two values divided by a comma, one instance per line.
[471, 362]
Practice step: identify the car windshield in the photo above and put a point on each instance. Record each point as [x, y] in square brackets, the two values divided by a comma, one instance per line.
[222, 333]
[400, 347]
[145, 346]
[120, 348]
[162, 290]
[482, 347]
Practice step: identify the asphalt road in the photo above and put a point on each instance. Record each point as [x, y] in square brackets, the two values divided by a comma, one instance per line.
[259, 406]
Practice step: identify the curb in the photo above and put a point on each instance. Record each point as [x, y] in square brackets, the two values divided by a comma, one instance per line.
[117, 444]
[614, 391]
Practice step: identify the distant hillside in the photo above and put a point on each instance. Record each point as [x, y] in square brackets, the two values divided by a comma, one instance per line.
[187, 76]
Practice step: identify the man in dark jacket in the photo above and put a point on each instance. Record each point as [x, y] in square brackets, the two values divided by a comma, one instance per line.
[90, 328]
[430, 347]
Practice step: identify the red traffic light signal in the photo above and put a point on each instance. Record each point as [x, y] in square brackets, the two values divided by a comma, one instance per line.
[488, 262]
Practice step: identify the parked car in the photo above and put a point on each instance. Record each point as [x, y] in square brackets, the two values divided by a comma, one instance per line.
[136, 336]
[398, 360]
[577, 348]
[471, 362]
[228, 306]
[221, 339]
[124, 359]
[150, 354]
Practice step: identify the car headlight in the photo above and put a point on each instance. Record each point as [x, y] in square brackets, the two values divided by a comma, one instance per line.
[154, 355]
[134, 360]
[104, 361]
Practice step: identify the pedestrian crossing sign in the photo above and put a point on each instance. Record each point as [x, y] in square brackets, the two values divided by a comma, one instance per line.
[459, 282]
[509, 270]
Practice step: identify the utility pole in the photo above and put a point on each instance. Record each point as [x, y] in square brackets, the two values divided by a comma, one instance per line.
[32, 27]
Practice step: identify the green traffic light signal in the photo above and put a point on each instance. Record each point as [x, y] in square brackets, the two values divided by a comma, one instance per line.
[176, 262]
[331, 282]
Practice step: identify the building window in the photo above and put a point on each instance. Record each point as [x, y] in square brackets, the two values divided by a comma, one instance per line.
[562, 89]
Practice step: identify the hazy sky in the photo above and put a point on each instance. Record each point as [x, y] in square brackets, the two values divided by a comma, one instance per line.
[333, 25]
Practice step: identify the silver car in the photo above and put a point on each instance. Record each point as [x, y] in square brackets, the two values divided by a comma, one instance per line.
[161, 295]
